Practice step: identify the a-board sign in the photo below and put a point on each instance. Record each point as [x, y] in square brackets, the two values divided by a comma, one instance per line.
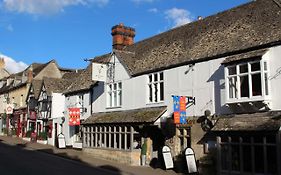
[61, 141]
[168, 160]
[190, 160]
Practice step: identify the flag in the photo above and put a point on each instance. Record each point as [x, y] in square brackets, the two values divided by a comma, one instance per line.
[183, 109]
[176, 102]
[74, 116]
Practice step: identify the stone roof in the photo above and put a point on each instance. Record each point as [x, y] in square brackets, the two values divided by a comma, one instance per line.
[102, 59]
[245, 56]
[143, 115]
[56, 85]
[265, 121]
[248, 27]
[81, 82]
[36, 85]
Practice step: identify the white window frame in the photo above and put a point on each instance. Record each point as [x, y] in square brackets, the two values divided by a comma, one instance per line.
[114, 94]
[265, 95]
[153, 87]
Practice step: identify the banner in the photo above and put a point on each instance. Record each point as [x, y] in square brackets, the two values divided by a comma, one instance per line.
[74, 116]
[179, 109]
[176, 101]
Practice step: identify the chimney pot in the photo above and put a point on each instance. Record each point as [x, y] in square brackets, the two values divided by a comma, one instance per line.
[122, 36]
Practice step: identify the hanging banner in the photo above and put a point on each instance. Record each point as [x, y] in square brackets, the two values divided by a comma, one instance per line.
[176, 101]
[183, 109]
[74, 116]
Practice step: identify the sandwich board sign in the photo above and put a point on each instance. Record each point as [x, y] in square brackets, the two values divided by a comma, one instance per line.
[61, 141]
[168, 160]
[191, 161]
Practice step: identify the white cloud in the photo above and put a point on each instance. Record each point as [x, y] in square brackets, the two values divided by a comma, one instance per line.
[46, 7]
[178, 16]
[13, 66]
[153, 10]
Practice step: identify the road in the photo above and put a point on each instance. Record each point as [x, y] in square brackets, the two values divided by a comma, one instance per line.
[18, 160]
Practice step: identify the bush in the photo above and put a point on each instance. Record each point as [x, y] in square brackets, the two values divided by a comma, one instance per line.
[42, 136]
[28, 134]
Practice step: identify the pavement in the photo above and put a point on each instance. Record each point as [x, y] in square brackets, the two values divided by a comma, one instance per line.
[80, 156]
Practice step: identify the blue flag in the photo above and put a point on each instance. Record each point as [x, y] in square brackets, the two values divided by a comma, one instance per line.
[176, 101]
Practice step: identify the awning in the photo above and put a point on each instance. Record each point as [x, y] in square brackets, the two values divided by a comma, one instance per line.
[245, 56]
[143, 115]
[265, 121]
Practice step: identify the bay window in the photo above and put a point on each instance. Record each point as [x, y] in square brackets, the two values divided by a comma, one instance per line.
[114, 94]
[247, 80]
[156, 87]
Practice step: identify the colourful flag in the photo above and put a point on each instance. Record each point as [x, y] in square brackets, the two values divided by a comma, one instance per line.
[176, 101]
[74, 116]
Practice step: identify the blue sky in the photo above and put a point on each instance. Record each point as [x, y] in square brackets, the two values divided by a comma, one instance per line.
[72, 30]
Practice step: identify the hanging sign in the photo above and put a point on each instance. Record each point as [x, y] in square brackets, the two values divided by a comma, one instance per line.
[9, 109]
[99, 72]
[74, 116]
[176, 101]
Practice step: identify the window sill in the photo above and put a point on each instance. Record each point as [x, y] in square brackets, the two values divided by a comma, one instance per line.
[248, 100]
[116, 107]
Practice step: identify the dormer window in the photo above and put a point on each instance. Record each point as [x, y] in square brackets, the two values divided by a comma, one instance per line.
[247, 81]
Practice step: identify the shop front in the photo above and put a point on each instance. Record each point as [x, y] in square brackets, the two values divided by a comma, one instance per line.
[124, 136]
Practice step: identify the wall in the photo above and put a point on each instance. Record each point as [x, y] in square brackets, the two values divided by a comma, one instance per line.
[51, 71]
[125, 157]
[204, 81]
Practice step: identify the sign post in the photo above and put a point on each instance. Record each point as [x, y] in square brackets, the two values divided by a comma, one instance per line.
[61, 141]
[191, 161]
[168, 160]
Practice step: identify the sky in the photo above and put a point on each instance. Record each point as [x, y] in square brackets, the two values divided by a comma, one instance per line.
[70, 31]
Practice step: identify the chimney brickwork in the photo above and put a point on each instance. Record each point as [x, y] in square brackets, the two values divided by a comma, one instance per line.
[122, 36]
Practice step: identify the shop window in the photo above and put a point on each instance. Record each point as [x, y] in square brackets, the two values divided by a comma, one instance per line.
[247, 80]
[156, 87]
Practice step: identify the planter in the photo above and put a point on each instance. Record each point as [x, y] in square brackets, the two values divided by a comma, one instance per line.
[44, 142]
[26, 139]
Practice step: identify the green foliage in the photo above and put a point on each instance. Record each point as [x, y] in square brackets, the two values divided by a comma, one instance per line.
[42, 136]
[5, 131]
[14, 131]
[28, 134]
[144, 148]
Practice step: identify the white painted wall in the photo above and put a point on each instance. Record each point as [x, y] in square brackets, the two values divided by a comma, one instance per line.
[205, 81]
[199, 81]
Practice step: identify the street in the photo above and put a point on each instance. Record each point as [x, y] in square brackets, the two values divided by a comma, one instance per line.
[16, 160]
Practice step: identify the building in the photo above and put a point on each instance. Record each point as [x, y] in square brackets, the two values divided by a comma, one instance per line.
[228, 62]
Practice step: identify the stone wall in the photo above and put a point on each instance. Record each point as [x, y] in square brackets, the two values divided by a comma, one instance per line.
[125, 157]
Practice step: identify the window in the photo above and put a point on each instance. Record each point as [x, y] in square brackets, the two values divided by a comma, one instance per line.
[247, 80]
[156, 87]
[114, 94]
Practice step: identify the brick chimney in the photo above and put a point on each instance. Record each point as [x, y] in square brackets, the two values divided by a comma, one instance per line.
[122, 36]
[2, 63]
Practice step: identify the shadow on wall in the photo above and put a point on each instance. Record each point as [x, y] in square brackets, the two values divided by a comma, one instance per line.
[218, 78]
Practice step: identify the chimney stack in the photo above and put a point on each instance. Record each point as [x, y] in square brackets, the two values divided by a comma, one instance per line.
[122, 36]
[2, 63]
[30, 75]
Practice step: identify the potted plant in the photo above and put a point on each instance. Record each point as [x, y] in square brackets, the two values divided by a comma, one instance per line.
[143, 153]
[27, 135]
[42, 138]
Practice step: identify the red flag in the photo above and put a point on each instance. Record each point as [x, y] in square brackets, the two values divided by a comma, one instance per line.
[74, 116]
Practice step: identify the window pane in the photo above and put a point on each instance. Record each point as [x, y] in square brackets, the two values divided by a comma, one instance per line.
[259, 166]
[266, 83]
[150, 92]
[235, 155]
[271, 160]
[243, 68]
[161, 91]
[150, 78]
[255, 66]
[247, 158]
[110, 87]
[233, 87]
[119, 86]
[110, 99]
[115, 86]
[161, 76]
[224, 157]
[244, 86]
[120, 98]
[232, 70]
[115, 98]
[256, 84]
[155, 77]
[155, 93]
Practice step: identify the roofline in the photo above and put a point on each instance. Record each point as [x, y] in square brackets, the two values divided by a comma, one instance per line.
[276, 43]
